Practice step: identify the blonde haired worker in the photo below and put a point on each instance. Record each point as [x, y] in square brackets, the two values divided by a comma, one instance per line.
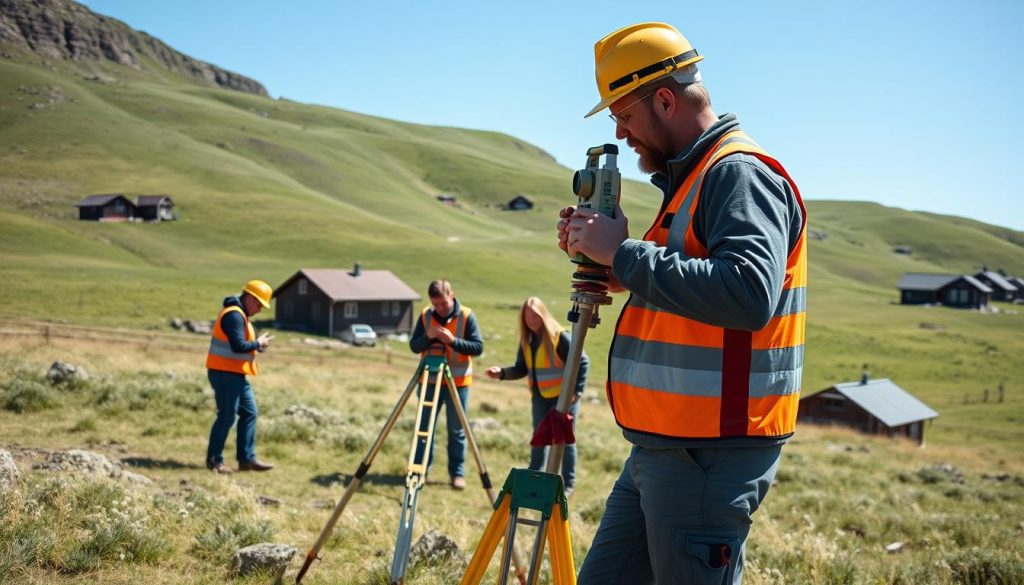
[543, 347]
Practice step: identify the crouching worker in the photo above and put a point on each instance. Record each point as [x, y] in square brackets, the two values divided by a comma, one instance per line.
[543, 348]
[232, 357]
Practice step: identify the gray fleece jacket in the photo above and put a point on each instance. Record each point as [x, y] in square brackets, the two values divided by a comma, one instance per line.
[748, 218]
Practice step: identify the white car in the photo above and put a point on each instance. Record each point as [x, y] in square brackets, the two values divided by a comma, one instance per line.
[359, 334]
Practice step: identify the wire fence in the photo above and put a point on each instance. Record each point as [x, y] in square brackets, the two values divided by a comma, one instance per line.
[969, 432]
[303, 350]
[316, 352]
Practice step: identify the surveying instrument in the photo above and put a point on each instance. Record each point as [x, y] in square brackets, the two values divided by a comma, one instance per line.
[598, 188]
[432, 372]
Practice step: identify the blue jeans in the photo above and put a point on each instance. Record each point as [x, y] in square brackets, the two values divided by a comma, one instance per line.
[538, 455]
[234, 396]
[456, 435]
[680, 516]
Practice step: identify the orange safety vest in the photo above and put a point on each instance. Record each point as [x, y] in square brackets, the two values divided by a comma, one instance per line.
[460, 364]
[222, 357]
[546, 366]
[677, 377]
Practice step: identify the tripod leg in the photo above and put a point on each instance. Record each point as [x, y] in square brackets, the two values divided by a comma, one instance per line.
[563, 570]
[509, 548]
[419, 454]
[426, 419]
[538, 551]
[400, 563]
[488, 543]
[485, 478]
[453, 394]
[364, 467]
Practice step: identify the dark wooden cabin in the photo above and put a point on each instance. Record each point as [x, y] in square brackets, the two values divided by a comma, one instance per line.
[1003, 289]
[327, 301]
[952, 290]
[155, 207]
[110, 207]
[874, 407]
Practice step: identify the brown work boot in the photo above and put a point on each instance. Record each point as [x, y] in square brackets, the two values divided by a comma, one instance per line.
[254, 465]
[219, 468]
[458, 482]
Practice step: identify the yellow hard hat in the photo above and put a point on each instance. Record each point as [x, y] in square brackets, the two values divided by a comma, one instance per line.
[260, 290]
[630, 57]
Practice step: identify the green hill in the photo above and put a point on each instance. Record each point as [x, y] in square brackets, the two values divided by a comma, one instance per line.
[267, 186]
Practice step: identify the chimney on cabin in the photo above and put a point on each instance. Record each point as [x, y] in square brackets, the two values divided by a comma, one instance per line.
[357, 269]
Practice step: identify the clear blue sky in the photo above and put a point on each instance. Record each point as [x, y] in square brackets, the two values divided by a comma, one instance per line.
[913, 104]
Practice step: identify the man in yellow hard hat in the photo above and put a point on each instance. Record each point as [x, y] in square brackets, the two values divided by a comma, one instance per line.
[705, 365]
[232, 357]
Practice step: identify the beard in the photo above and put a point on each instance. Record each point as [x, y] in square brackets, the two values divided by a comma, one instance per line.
[649, 163]
[654, 157]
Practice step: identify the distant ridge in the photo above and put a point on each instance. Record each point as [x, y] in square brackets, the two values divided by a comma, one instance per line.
[63, 29]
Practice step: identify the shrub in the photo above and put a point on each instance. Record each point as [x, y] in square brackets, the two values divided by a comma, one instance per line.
[86, 424]
[165, 397]
[223, 539]
[592, 511]
[75, 525]
[978, 566]
[24, 394]
[287, 430]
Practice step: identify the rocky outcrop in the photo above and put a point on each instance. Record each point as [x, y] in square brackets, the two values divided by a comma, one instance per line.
[64, 373]
[435, 547]
[89, 463]
[266, 556]
[10, 475]
[63, 29]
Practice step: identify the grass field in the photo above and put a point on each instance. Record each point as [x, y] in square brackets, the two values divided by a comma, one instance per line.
[839, 500]
[266, 187]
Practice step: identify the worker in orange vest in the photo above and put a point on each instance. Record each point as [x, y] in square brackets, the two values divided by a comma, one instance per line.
[232, 357]
[543, 349]
[449, 328]
[705, 365]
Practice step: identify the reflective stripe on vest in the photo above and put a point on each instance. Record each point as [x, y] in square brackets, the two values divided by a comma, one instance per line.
[676, 377]
[460, 364]
[545, 365]
[222, 357]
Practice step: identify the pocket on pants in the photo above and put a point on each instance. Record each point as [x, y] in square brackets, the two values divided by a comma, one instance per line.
[707, 559]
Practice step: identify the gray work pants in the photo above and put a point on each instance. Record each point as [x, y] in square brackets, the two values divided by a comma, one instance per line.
[680, 516]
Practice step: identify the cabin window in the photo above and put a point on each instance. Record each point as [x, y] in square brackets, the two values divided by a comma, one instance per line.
[303, 286]
[396, 308]
[385, 309]
[834, 403]
[351, 310]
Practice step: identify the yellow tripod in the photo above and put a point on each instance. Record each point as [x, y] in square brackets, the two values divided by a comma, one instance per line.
[542, 492]
[532, 490]
[433, 371]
